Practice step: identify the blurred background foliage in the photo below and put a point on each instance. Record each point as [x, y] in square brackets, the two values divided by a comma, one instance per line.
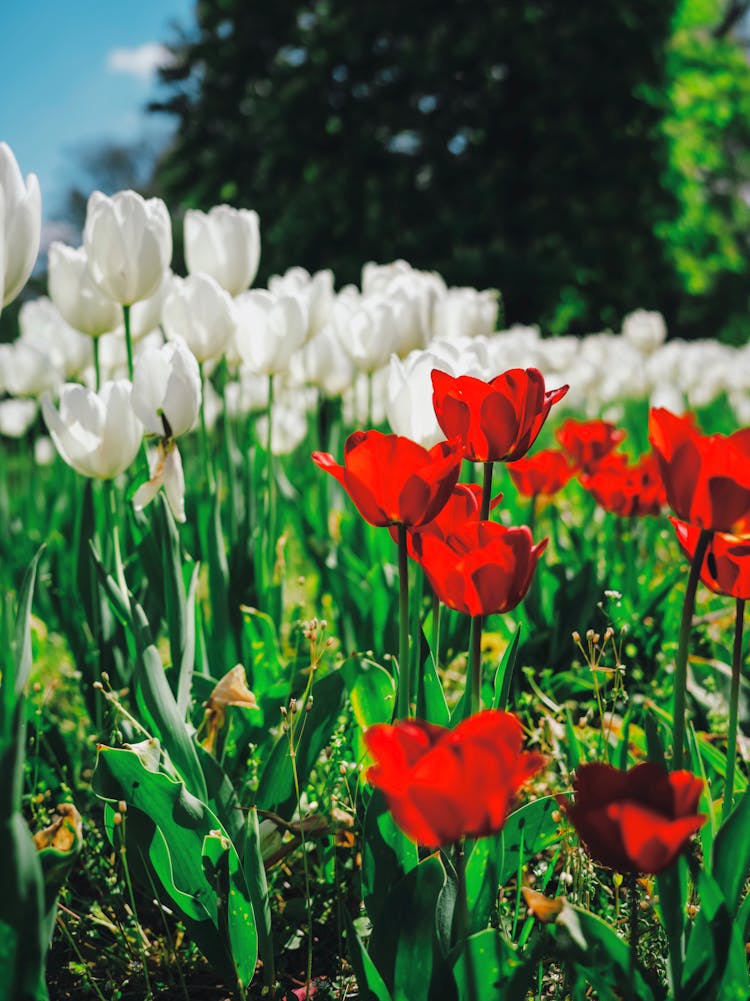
[586, 159]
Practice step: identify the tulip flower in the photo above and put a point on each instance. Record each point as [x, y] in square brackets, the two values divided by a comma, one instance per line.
[587, 442]
[43, 326]
[98, 434]
[167, 398]
[28, 370]
[465, 312]
[198, 310]
[441, 784]
[482, 568]
[635, 821]
[223, 243]
[72, 289]
[20, 225]
[499, 420]
[542, 474]
[707, 477]
[270, 329]
[128, 241]
[392, 480]
[314, 291]
[630, 491]
[368, 329]
[726, 567]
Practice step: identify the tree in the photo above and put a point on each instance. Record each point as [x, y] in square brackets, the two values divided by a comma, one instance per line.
[526, 146]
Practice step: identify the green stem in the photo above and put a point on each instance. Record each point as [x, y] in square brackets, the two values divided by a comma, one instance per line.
[114, 529]
[369, 399]
[484, 513]
[633, 914]
[681, 663]
[208, 462]
[435, 637]
[734, 699]
[462, 920]
[97, 365]
[271, 495]
[403, 699]
[473, 703]
[128, 340]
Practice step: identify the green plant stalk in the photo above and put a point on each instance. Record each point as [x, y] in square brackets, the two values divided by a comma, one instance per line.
[484, 512]
[84, 965]
[271, 493]
[114, 529]
[97, 365]
[435, 632]
[128, 339]
[474, 682]
[633, 908]
[208, 463]
[681, 663]
[131, 896]
[403, 699]
[734, 700]
[462, 919]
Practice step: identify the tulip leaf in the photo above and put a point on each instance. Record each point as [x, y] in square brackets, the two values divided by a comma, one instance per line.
[504, 674]
[369, 982]
[159, 709]
[482, 880]
[731, 853]
[387, 854]
[236, 919]
[276, 789]
[490, 968]
[404, 945]
[528, 830]
[371, 689]
[222, 650]
[431, 703]
[260, 650]
[672, 885]
[709, 947]
[255, 873]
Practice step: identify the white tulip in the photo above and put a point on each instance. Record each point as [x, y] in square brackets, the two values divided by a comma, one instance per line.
[246, 395]
[98, 434]
[80, 302]
[269, 330]
[16, 417]
[167, 389]
[315, 292]
[369, 333]
[145, 316]
[128, 240]
[325, 364]
[223, 243]
[465, 312]
[27, 370]
[645, 330]
[43, 326]
[20, 225]
[200, 311]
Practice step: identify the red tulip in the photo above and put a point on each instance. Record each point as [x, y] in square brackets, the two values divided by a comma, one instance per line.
[497, 420]
[707, 477]
[482, 568]
[391, 479]
[587, 442]
[635, 821]
[544, 473]
[442, 784]
[630, 491]
[726, 565]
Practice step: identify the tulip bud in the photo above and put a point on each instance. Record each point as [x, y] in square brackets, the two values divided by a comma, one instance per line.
[80, 301]
[198, 309]
[20, 225]
[129, 244]
[223, 243]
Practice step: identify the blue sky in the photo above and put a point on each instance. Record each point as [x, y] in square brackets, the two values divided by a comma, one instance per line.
[74, 72]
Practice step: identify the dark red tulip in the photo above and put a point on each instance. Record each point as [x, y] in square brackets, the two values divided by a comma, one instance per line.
[726, 565]
[541, 474]
[707, 477]
[393, 480]
[635, 821]
[497, 421]
[481, 568]
[442, 784]
[587, 442]
[630, 491]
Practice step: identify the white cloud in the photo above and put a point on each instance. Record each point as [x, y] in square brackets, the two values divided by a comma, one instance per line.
[142, 61]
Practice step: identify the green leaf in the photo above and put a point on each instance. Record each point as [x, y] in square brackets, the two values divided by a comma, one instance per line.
[404, 945]
[504, 674]
[731, 853]
[369, 982]
[276, 790]
[260, 650]
[535, 824]
[236, 918]
[387, 854]
[431, 702]
[494, 968]
[255, 874]
[371, 691]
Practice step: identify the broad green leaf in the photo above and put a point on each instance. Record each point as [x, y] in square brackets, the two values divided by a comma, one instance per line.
[371, 691]
[731, 853]
[387, 854]
[504, 674]
[235, 910]
[539, 829]
[255, 874]
[489, 968]
[369, 982]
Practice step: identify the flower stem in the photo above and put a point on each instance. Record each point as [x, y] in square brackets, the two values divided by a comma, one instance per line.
[473, 703]
[462, 920]
[681, 664]
[208, 463]
[128, 340]
[734, 699]
[435, 637]
[114, 529]
[403, 699]
[97, 366]
[484, 513]
[270, 496]
[633, 910]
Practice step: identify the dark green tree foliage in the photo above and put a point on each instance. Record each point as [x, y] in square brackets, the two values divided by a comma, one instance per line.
[503, 143]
